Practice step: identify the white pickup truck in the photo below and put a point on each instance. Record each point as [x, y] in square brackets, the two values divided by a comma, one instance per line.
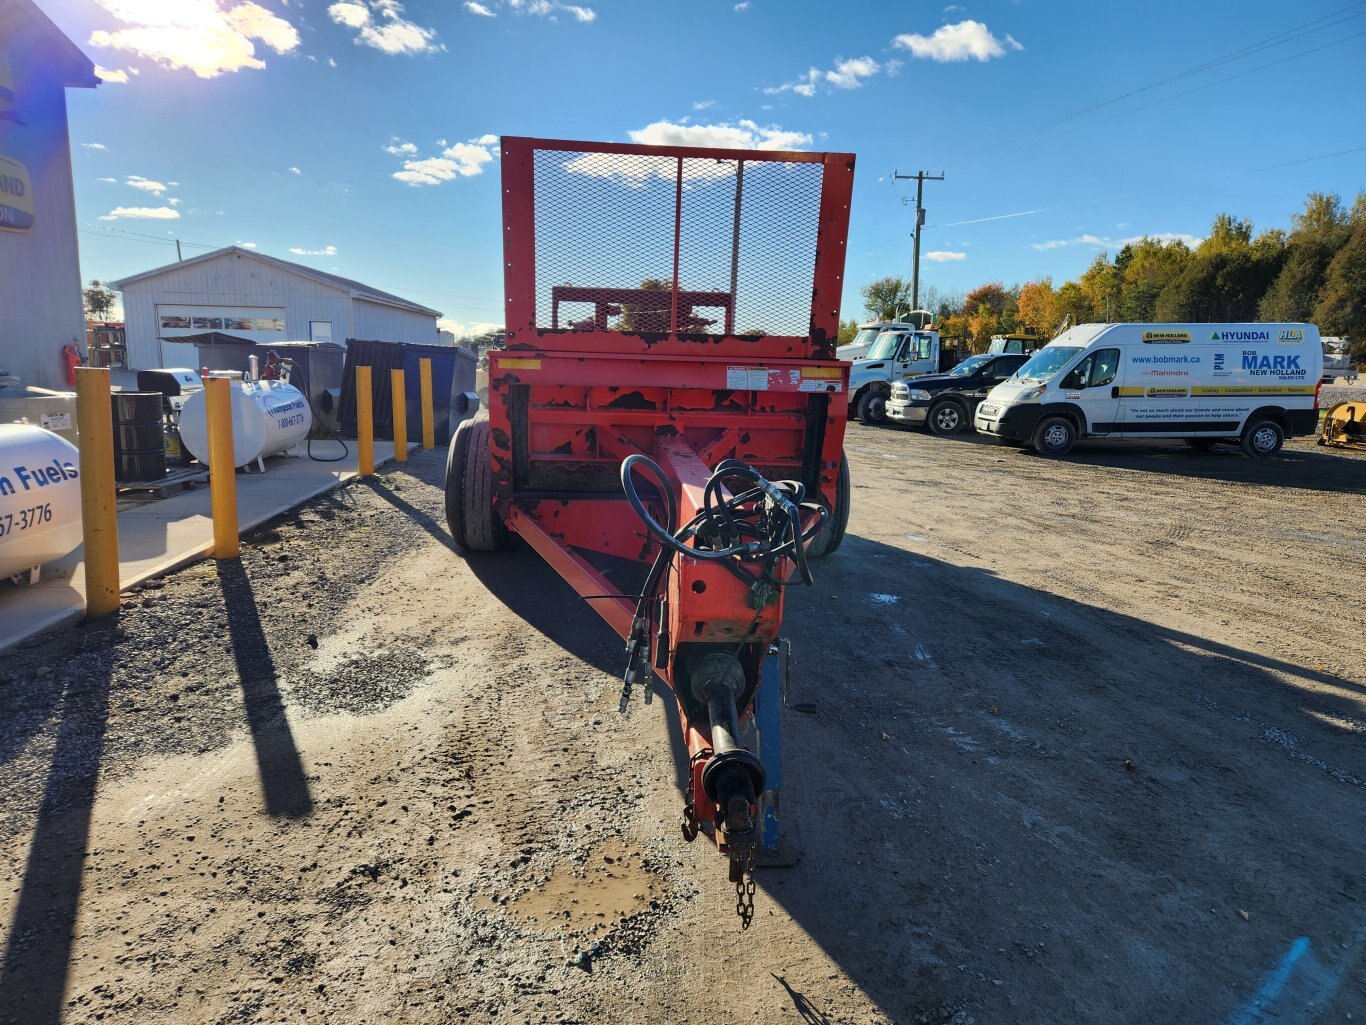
[899, 352]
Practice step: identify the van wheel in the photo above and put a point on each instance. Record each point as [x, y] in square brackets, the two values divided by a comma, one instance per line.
[1263, 438]
[946, 418]
[473, 522]
[1201, 444]
[1054, 436]
[872, 408]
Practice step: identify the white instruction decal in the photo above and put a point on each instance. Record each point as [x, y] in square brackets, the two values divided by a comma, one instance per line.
[737, 378]
[814, 384]
[56, 421]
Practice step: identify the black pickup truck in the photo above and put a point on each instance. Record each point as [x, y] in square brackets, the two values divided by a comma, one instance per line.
[946, 402]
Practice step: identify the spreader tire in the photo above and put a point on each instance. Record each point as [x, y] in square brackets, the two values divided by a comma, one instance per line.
[474, 524]
[836, 523]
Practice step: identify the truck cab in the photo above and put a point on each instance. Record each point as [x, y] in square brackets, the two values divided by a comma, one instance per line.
[867, 335]
[898, 353]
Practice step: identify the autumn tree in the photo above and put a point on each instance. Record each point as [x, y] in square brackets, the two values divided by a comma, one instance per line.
[1038, 306]
[1101, 285]
[882, 299]
[1147, 266]
[1072, 302]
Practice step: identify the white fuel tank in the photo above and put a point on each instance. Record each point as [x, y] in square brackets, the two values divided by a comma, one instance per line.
[40, 498]
[267, 417]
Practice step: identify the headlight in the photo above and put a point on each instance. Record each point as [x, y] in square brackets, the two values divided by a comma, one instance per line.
[899, 391]
[919, 394]
[1029, 394]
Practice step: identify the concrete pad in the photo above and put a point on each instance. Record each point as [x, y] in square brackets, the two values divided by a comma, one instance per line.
[160, 535]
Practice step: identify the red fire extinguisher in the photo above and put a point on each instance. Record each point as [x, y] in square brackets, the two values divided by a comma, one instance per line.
[71, 359]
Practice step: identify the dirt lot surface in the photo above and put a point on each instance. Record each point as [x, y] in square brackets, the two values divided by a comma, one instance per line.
[1090, 747]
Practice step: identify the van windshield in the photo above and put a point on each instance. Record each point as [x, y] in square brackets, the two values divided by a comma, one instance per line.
[1046, 363]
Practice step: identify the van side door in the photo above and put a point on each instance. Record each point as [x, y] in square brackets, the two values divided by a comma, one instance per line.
[1092, 386]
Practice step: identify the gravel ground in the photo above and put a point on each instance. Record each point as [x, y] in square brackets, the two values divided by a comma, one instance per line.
[1089, 748]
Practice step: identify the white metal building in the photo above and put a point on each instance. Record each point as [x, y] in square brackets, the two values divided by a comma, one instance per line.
[251, 295]
[40, 275]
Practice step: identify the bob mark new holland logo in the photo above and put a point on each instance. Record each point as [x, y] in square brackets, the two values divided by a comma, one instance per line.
[1166, 337]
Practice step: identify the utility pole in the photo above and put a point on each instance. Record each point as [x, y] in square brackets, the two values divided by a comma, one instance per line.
[920, 178]
[180, 258]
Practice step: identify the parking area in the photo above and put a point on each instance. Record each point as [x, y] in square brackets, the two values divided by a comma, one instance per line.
[1089, 746]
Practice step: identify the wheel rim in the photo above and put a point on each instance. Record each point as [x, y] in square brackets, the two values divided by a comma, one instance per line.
[1264, 439]
[947, 418]
[877, 407]
[1055, 436]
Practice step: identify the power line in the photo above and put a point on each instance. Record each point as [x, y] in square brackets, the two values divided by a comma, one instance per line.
[1285, 36]
[1147, 192]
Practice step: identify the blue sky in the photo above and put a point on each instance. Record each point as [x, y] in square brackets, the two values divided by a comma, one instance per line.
[360, 136]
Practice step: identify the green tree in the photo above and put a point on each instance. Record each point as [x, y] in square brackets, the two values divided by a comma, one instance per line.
[884, 297]
[1341, 306]
[1147, 267]
[100, 301]
[1101, 285]
[1072, 302]
[649, 316]
[1224, 279]
[848, 328]
[1316, 236]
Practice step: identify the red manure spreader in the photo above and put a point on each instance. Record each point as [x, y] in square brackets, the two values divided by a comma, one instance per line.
[666, 427]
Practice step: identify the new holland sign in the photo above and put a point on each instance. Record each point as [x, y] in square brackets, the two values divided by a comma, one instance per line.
[16, 196]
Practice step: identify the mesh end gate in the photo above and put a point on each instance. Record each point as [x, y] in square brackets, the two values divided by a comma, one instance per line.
[666, 424]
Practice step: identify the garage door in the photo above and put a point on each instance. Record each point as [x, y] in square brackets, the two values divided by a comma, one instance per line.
[257, 323]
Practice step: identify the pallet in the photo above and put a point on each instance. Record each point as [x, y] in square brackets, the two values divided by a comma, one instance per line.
[173, 483]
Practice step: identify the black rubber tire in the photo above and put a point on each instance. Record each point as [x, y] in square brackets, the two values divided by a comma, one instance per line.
[474, 524]
[1054, 436]
[872, 408]
[829, 539]
[946, 418]
[1262, 438]
[1201, 444]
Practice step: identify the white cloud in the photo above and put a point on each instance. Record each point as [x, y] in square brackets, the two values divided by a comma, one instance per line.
[942, 256]
[1115, 244]
[703, 104]
[105, 75]
[146, 185]
[460, 160]
[110, 180]
[846, 74]
[174, 202]
[551, 8]
[331, 63]
[740, 135]
[295, 170]
[742, 6]
[94, 145]
[465, 329]
[196, 34]
[966, 40]
[398, 148]
[161, 213]
[380, 24]
[246, 245]
[634, 171]
[479, 9]
[324, 251]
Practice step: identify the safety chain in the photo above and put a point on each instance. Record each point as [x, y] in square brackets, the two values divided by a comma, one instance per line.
[744, 885]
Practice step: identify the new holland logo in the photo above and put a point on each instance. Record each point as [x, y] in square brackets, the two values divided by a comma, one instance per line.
[1165, 337]
[1290, 335]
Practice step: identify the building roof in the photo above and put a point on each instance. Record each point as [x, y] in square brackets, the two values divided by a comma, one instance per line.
[355, 289]
[26, 28]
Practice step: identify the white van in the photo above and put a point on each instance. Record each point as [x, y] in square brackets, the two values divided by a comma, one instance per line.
[1249, 384]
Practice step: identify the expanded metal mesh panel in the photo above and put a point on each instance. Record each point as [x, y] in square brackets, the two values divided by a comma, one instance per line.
[605, 243]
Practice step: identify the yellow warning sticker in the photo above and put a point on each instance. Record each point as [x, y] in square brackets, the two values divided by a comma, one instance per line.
[821, 371]
[519, 364]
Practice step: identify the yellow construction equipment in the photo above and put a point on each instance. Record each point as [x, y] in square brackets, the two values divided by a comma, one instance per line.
[1345, 426]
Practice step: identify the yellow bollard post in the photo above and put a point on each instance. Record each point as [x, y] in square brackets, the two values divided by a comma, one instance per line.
[99, 513]
[365, 424]
[400, 416]
[424, 366]
[222, 467]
